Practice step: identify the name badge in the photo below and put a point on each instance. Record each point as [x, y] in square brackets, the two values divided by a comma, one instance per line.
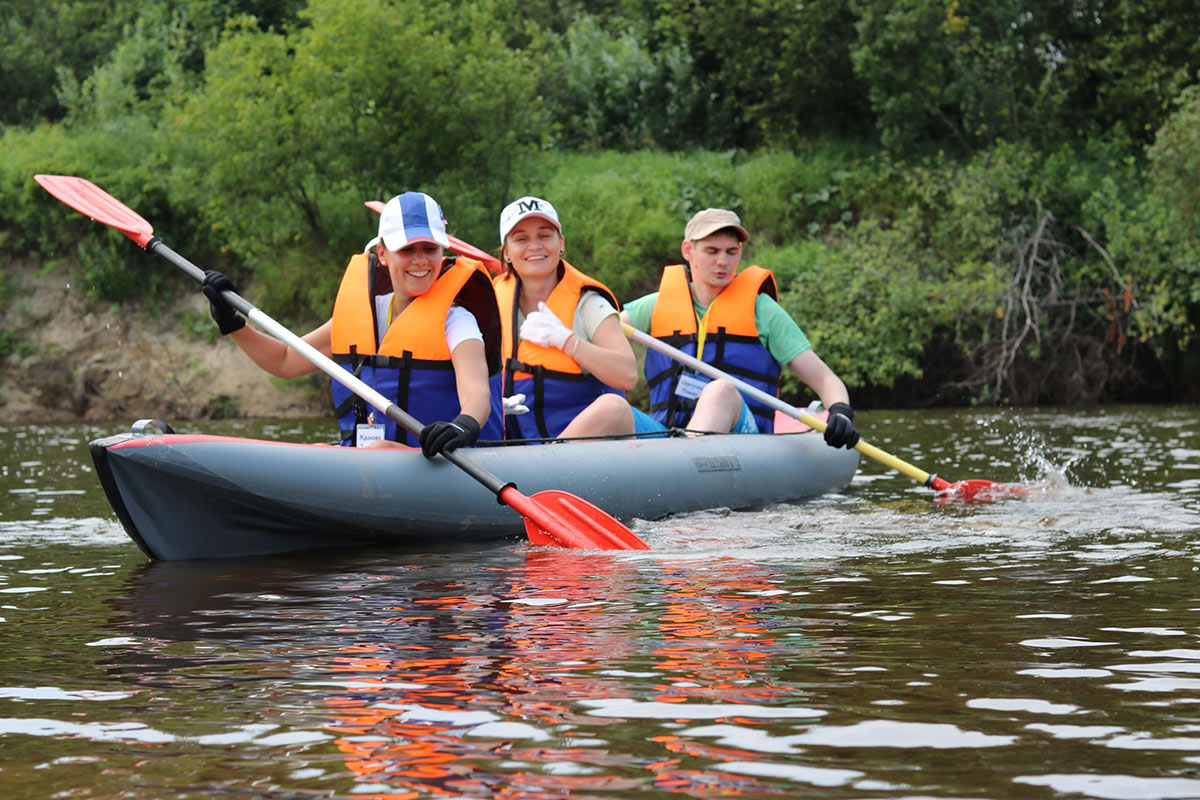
[365, 434]
[690, 386]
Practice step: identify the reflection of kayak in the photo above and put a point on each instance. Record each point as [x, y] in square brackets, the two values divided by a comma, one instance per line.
[196, 496]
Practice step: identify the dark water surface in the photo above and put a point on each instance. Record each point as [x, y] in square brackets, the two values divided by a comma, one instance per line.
[873, 644]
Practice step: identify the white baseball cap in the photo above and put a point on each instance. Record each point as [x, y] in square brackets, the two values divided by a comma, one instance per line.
[408, 218]
[526, 207]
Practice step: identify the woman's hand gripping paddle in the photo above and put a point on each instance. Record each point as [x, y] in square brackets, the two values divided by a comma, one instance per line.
[978, 489]
[551, 517]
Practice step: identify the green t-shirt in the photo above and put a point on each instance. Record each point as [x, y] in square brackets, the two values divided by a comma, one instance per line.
[777, 331]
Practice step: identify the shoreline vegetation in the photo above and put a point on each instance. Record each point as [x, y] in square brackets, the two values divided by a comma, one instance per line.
[963, 203]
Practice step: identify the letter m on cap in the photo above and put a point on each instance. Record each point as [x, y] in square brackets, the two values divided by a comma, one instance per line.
[528, 205]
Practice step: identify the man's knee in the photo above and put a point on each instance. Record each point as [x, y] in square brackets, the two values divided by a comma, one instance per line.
[717, 408]
[723, 393]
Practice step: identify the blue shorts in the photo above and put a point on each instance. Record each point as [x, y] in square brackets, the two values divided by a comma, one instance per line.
[644, 423]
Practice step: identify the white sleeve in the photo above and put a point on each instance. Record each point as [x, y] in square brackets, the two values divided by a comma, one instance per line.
[461, 326]
[593, 309]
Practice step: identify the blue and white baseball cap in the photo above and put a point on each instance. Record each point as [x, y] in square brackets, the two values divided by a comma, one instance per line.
[518, 210]
[408, 218]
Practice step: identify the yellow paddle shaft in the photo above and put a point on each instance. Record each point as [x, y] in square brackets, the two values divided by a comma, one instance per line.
[864, 447]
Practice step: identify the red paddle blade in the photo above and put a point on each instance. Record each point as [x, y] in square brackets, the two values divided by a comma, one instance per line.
[456, 244]
[561, 519]
[90, 200]
[586, 525]
[980, 491]
[471, 251]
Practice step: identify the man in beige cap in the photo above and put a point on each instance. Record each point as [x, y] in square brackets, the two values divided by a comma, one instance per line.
[732, 319]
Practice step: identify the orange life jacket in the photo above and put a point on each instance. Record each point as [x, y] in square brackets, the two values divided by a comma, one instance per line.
[411, 364]
[731, 342]
[556, 388]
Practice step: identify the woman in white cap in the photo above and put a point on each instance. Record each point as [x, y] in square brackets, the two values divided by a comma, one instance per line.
[391, 296]
[567, 364]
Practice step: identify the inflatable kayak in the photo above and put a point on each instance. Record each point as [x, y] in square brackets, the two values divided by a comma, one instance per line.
[183, 496]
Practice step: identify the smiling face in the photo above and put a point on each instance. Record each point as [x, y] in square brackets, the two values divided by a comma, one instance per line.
[413, 268]
[714, 262]
[533, 247]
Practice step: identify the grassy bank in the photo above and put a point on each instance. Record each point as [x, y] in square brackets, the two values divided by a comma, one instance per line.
[963, 203]
[1010, 277]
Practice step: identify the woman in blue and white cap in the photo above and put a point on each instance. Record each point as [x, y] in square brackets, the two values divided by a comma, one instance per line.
[567, 364]
[391, 297]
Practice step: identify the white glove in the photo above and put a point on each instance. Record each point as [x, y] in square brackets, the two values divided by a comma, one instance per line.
[542, 327]
[515, 406]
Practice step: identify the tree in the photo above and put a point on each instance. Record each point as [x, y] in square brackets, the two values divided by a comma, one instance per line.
[40, 39]
[949, 74]
[48, 43]
[360, 101]
[966, 74]
[770, 71]
[1121, 63]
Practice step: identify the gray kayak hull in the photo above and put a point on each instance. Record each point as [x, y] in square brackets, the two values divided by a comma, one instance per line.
[182, 496]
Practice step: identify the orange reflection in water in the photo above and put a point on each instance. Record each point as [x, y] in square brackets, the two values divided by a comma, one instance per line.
[389, 729]
[717, 640]
[438, 718]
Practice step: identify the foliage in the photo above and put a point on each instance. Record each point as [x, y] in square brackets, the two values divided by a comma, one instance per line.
[12, 344]
[632, 207]
[221, 406]
[1154, 233]
[623, 214]
[1119, 64]
[42, 39]
[1175, 160]
[112, 155]
[774, 72]
[614, 90]
[979, 198]
[989, 257]
[921, 74]
[138, 76]
[363, 101]
[950, 73]
[53, 47]
[964, 74]
[871, 298]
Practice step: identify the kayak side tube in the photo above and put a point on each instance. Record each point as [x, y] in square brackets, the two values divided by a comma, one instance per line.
[193, 496]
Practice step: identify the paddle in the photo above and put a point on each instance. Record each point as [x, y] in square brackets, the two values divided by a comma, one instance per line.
[456, 244]
[976, 489]
[551, 517]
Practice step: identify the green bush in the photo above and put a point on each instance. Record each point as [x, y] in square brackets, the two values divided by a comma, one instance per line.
[11, 343]
[623, 214]
[633, 206]
[1154, 233]
[613, 89]
[124, 158]
[292, 132]
[872, 299]
[1046, 218]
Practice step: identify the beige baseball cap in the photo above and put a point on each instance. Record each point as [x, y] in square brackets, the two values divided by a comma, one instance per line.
[710, 220]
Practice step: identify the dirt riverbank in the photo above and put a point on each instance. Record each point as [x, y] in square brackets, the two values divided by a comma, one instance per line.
[70, 359]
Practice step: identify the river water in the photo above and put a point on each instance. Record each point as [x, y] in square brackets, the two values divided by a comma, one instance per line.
[873, 644]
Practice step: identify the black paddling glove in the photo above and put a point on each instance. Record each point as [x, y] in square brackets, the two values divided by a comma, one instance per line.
[227, 318]
[839, 430]
[446, 437]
